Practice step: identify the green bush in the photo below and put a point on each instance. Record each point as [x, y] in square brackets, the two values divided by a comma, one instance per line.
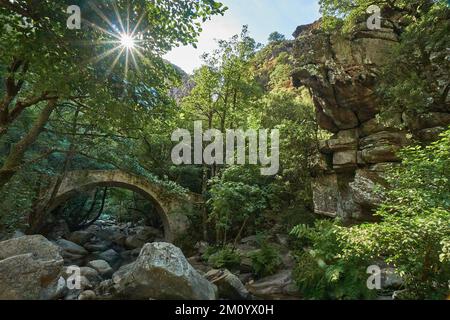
[265, 261]
[224, 257]
[413, 234]
[321, 273]
[235, 206]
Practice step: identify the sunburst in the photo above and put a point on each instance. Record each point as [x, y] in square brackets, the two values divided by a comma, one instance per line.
[126, 41]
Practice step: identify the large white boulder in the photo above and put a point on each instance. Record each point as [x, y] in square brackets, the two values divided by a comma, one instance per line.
[162, 272]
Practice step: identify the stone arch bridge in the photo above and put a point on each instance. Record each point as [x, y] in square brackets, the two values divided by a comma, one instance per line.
[172, 208]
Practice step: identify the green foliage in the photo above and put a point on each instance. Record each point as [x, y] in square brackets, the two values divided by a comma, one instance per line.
[265, 261]
[415, 230]
[224, 257]
[226, 90]
[41, 60]
[321, 273]
[233, 204]
[347, 13]
[292, 112]
[413, 235]
[276, 37]
[416, 75]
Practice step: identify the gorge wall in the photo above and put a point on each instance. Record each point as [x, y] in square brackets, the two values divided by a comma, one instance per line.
[341, 73]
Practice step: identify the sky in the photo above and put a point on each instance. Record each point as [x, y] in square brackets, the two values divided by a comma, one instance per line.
[262, 16]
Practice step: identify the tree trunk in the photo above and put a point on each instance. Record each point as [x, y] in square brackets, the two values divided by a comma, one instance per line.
[17, 153]
[238, 237]
[100, 211]
[38, 215]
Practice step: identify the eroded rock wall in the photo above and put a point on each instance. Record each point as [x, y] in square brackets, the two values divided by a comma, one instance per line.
[341, 73]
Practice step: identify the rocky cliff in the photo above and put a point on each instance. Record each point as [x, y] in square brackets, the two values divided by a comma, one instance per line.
[341, 73]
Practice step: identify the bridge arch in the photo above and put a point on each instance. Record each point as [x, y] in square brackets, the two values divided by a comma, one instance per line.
[171, 208]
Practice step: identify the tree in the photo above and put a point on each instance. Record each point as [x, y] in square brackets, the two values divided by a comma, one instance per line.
[225, 88]
[276, 37]
[46, 65]
[237, 198]
[400, 13]
[224, 94]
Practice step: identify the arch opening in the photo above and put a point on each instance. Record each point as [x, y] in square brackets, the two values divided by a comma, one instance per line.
[149, 210]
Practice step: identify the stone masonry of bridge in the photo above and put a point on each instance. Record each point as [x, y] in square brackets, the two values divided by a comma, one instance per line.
[172, 208]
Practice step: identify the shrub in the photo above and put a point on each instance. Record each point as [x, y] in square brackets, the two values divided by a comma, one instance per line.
[413, 235]
[265, 261]
[224, 257]
[321, 273]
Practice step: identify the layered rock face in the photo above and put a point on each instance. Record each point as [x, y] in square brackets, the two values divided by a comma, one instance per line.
[341, 74]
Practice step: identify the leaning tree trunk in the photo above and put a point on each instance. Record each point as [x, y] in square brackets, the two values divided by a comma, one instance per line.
[15, 158]
[37, 217]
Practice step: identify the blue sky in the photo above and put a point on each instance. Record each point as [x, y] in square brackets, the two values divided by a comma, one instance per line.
[262, 16]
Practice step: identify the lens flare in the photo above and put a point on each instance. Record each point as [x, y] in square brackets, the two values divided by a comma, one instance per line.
[127, 41]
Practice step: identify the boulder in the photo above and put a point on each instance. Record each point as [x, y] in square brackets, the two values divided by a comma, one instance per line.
[277, 287]
[71, 247]
[91, 274]
[61, 288]
[85, 283]
[201, 247]
[80, 237]
[129, 256]
[102, 245]
[430, 135]
[282, 239]
[134, 242]
[288, 260]
[251, 241]
[102, 267]
[375, 125]
[17, 234]
[364, 188]
[147, 232]
[162, 272]
[30, 268]
[143, 235]
[94, 229]
[390, 279]
[383, 146]
[111, 256]
[344, 140]
[229, 285]
[325, 194]
[245, 277]
[384, 153]
[87, 295]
